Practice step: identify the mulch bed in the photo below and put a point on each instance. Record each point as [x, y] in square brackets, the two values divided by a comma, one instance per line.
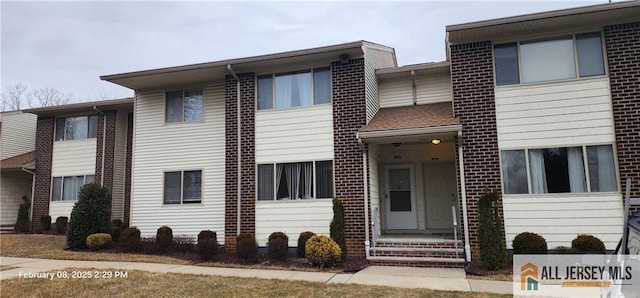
[476, 268]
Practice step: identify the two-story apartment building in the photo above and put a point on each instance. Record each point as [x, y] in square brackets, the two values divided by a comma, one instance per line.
[543, 107]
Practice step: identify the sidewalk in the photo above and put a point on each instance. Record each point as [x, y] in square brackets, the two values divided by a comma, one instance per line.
[405, 277]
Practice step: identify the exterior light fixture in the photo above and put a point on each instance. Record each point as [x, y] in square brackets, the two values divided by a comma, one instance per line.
[435, 141]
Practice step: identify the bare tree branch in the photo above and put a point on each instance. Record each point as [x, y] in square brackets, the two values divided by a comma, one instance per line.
[45, 97]
[13, 97]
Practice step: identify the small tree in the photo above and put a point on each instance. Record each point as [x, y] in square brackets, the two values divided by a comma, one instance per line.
[337, 227]
[22, 223]
[90, 215]
[493, 251]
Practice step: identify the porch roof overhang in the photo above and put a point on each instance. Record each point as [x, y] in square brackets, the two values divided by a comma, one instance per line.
[18, 162]
[83, 107]
[411, 123]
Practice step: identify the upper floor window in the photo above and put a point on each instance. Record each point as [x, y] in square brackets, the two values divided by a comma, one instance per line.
[578, 55]
[294, 89]
[76, 128]
[182, 187]
[295, 181]
[184, 105]
[67, 188]
[559, 170]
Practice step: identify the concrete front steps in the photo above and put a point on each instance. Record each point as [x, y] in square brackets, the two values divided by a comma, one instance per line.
[6, 229]
[418, 252]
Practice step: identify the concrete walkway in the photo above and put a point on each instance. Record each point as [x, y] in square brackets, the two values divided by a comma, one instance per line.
[405, 277]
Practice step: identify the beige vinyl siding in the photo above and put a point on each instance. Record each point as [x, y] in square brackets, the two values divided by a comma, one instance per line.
[74, 158]
[18, 134]
[433, 89]
[396, 92]
[294, 134]
[575, 112]
[374, 188]
[120, 155]
[160, 147]
[13, 185]
[374, 59]
[292, 218]
[560, 218]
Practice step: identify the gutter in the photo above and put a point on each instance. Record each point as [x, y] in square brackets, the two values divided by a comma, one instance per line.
[104, 138]
[409, 131]
[239, 151]
[33, 187]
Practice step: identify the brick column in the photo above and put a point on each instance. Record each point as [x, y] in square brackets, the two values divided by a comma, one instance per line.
[474, 104]
[349, 115]
[623, 57]
[127, 169]
[44, 151]
[109, 148]
[247, 147]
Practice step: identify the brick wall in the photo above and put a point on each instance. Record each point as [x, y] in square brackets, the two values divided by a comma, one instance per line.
[474, 103]
[109, 148]
[127, 169]
[44, 151]
[247, 115]
[349, 115]
[623, 57]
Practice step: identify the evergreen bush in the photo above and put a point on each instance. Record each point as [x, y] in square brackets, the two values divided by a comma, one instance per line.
[278, 246]
[322, 251]
[90, 215]
[207, 245]
[337, 227]
[588, 244]
[302, 241]
[493, 252]
[45, 222]
[246, 248]
[529, 244]
[22, 223]
[61, 224]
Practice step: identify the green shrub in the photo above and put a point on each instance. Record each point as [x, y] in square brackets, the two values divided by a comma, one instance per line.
[98, 241]
[117, 223]
[207, 244]
[493, 252]
[129, 239]
[588, 244]
[115, 233]
[164, 238]
[278, 246]
[529, 244]
[45, 222]
[61, 224]
[322, 251]
[563, 250]
[90, 215]
[22, 223]
[246, 248]
[302, 241]
[337, 227]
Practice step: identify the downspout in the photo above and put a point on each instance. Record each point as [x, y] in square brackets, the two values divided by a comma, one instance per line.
[239, 152]
[104, 135]
[463, 190]
[33, 187]
[367, 243]
[413, 85]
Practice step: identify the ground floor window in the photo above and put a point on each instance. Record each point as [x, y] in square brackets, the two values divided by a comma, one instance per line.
[67, 188]
[559, 170]
[295, 181]
[182, 187]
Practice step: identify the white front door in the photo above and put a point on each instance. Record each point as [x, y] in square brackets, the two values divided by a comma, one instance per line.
[441, 194]
[400, 199]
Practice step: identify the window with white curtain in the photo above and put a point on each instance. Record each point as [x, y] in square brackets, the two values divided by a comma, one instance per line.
[294, 89]
[67, 188]
[295, 181]
[551, 59]
[182, 187]
[559, 170]
[76, 128]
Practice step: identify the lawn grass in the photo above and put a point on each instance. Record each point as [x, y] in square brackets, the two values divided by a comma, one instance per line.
[145, 284]
[52, 247]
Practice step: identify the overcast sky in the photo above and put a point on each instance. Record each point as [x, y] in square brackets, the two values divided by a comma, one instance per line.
[68, 45]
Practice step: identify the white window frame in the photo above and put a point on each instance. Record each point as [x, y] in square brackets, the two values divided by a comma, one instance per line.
[182, 187]
[585, 161]
[182, 115]
[575, 57]
[273, 87]
[313, 177]
[64, 132]
[61, 199]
